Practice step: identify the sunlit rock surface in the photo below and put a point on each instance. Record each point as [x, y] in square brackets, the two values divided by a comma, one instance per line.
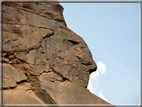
[44, 62]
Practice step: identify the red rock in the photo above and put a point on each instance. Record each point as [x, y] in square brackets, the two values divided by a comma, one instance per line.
[44, 61]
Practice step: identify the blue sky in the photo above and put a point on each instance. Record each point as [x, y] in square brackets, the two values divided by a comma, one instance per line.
[112, 33]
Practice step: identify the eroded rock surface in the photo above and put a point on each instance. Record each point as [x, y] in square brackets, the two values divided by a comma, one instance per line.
[44, 62]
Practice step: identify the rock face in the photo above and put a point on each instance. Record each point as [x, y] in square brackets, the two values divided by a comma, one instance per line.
[44, 62]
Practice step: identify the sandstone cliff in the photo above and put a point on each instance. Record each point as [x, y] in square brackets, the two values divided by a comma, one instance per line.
[44, 62]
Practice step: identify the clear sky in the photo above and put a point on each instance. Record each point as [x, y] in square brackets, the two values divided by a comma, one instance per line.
[112, 33]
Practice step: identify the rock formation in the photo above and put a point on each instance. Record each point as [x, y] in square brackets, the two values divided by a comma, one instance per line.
[44, 62]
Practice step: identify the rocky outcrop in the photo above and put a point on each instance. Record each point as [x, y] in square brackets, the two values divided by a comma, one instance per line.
[44, 62]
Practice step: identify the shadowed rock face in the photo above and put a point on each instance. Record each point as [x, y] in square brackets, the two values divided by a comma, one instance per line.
[44, 62]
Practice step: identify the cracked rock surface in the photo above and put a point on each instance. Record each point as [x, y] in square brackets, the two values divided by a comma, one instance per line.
[44, 62]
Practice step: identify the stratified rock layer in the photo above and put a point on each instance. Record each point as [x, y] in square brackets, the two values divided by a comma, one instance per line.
[44, 62]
